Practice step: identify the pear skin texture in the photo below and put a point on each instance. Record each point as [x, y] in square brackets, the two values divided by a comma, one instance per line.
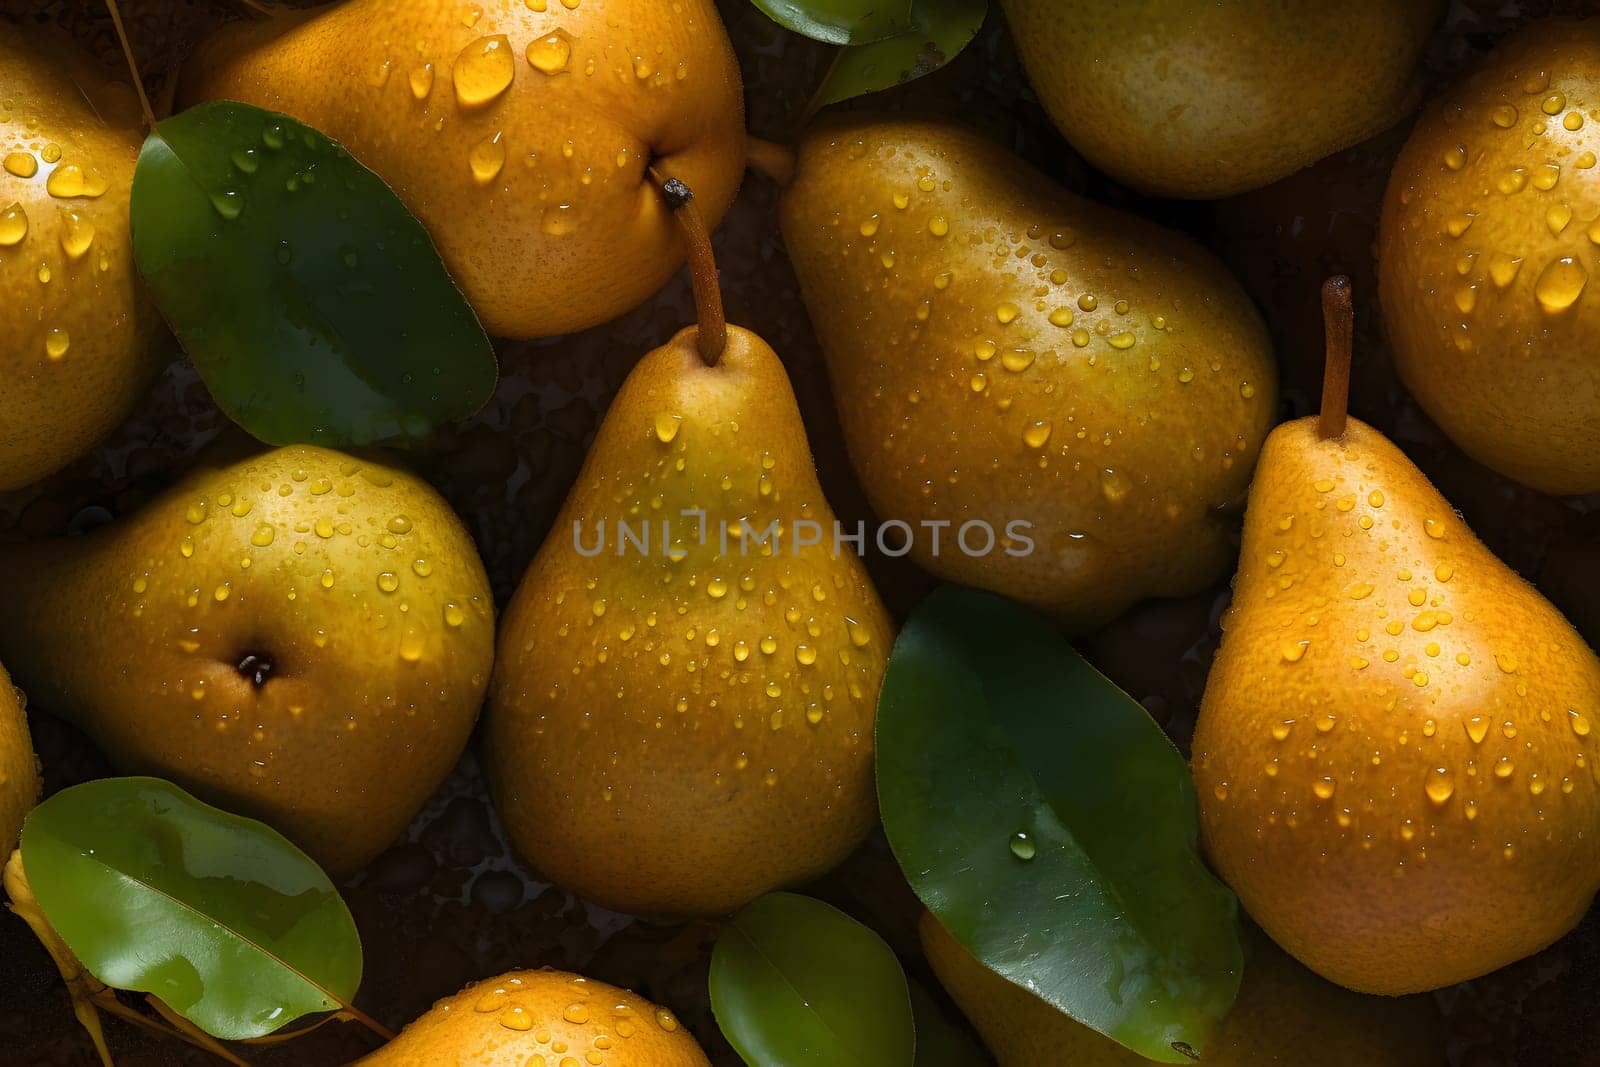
[353, 582]
[542, 1018]
[519, 138]
[1284, 1015]
[78, 336]
[1201, 101]
[1002, 350]
[19, 768]
[1395, 754]
[1486, 246]
[678, 736]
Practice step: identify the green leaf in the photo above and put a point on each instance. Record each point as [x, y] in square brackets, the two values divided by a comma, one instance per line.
[217, 915]
[313, 304]
[841, 21]
[795, 982]
[940, 29]
[939, 1042]
[1051, 826]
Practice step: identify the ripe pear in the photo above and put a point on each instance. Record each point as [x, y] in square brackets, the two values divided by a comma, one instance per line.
[19, 768]
[1284, 1015]
[518, 131]
[1003, 352]
[677, 728]
[1396, 752]
[1485, 254]
[1206, 100]
[78, 336]
[527, 1018]
[300, 636]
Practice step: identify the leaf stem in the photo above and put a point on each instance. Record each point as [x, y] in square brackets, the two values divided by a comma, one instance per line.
[1338, 317]
[192, 1033]
[713, 332]
[133, 64]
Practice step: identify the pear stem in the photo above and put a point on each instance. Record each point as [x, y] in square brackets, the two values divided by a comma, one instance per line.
[133, 65]
[713, 331]
[1338, 318]
[773, 161]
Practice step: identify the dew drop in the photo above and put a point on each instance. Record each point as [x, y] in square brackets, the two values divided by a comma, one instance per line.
[1560, 284]
[551, 54]
[483, 70]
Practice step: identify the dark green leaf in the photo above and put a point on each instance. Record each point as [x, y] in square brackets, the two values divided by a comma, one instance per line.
[313, 304]
[940, 1043]
[940, 29]
[217, 915]
[841, 21]
[795, 982]
[1051, 826]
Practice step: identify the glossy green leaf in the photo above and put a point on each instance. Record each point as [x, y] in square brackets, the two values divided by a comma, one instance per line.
[841, 21]
[1051, 826]
[940, 1043]
[313, 304]
[940, 29]
[217, 915]
[797, 983]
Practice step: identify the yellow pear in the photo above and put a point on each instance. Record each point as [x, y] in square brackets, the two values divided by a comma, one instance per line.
[681, 719]
[518, 131]
[1206, 100]
[299, 636]
[1396, 752]
[1486, 248]
[528, 1018]
[1284, 1015]
[19, 768]
[77, 334]
[1005, 352]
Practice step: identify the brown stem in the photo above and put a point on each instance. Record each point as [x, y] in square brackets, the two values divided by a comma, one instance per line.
[771, 160]
[192, 1033]
[368, 1021]
[133, 65]
[1338, 318]
[713, 332]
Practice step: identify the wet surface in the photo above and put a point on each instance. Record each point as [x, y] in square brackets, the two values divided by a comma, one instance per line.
[451, 904]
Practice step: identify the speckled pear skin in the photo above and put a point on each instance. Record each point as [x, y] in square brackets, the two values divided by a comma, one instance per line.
[1486, 252]
[542, 1018]
[1003, 350]
[1284, 1015]
[79, 339]
[519, 133]
[676, 736]
[1207, 100]
[19, 768]
[1396, 753]
[356, 590]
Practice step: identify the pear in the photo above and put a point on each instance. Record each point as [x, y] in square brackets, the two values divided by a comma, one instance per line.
[519, 133]
[1485, 251]
[525, 1018]
[78, 336]
[299, 636]
[1085, 386]
[19, 768]
[681, 718]
[1284, 1014]
[1206, 100]
[1396, 752]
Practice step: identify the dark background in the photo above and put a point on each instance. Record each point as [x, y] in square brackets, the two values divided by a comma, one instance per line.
[450, 904]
